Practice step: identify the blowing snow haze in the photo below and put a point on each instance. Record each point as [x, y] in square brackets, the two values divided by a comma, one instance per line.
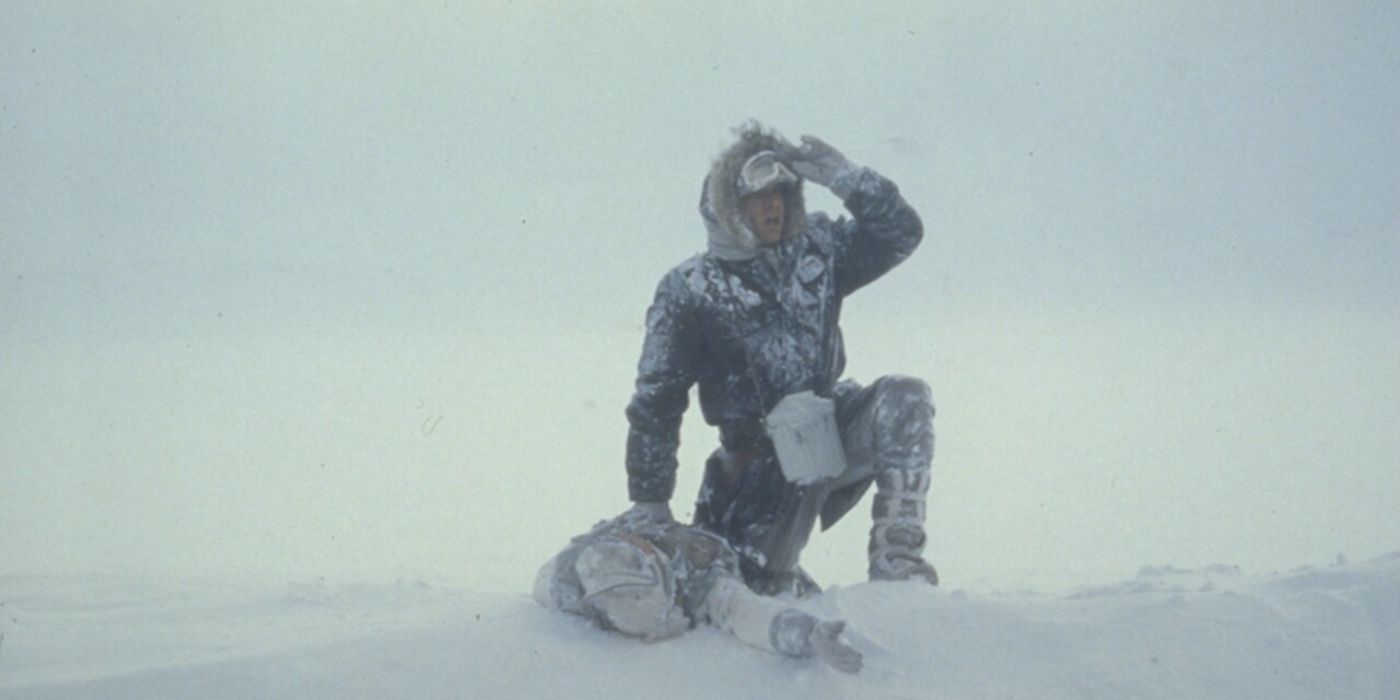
[311, 290]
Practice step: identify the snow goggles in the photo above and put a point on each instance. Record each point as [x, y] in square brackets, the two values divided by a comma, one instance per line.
[761, 171]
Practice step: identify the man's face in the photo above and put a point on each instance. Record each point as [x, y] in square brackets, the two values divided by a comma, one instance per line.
[765, 214]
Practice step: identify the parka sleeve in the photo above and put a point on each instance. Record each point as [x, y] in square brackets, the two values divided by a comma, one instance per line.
[766, 623]
[667, 370]
[883, 232]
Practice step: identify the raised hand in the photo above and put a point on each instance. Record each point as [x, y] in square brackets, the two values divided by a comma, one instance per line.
[818, 161]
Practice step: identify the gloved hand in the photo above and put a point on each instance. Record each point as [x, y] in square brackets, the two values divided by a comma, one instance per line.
[817, 161]
[832, 650]
[650, 511]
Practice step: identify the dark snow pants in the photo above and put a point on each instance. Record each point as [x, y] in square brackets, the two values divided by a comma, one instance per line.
[768, 520]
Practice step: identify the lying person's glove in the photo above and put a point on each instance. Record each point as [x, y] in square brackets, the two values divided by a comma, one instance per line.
[832, 650]
[817, 161]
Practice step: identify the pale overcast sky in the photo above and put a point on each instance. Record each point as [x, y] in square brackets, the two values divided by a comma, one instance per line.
[296, 288]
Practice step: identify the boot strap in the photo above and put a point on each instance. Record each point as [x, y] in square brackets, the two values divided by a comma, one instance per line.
[890, 509]
[903, 483]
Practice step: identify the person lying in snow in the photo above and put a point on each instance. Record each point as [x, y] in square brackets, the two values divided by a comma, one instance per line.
[653, 579]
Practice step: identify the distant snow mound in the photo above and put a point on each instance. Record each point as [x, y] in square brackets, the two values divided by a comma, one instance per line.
[1168, 579]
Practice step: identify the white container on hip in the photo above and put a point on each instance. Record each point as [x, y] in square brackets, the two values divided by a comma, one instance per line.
[804, 433]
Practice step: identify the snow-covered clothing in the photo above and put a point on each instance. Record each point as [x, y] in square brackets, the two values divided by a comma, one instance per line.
[751, 324]
[886, 432]
[654, 579]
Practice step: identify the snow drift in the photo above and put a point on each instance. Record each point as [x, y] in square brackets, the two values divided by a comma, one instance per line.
[1328, 632]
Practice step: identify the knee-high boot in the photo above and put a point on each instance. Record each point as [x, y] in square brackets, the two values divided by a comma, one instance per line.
[897, 537]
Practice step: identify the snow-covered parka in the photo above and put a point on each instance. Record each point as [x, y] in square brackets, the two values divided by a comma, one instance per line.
[751, 323]
[689, 563]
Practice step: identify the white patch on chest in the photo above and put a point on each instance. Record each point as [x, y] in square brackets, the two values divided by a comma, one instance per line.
[810, 268]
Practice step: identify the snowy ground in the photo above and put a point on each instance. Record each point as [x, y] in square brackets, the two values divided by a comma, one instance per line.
[1325, 632]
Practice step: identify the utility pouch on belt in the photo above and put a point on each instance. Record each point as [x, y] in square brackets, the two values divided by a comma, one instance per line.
[803, 429]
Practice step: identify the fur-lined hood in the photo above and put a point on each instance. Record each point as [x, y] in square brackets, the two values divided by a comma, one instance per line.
[729, 237]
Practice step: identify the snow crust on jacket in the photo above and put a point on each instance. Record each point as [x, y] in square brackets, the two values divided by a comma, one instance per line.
[695, 559]
[751, 330]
